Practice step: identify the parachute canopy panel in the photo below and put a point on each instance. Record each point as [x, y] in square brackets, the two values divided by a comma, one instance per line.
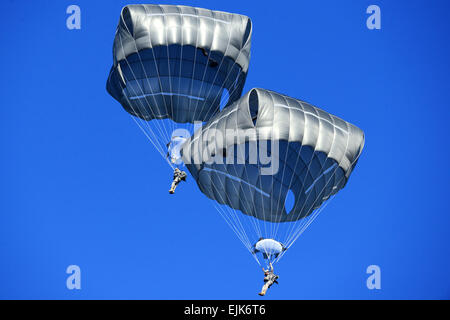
[312, 155]
[176, 61]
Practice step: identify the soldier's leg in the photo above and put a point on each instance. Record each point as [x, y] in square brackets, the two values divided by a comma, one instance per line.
[172, 188]
[175, 182]
[264, 289]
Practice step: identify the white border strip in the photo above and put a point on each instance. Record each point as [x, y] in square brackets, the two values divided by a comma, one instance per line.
[186, 15]
[317, 179]
[166, 94]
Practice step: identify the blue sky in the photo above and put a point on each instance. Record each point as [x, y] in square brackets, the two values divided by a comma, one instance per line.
[80, 184]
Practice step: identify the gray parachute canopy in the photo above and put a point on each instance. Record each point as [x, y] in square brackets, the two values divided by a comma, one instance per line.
[312, 154]
[176, 62]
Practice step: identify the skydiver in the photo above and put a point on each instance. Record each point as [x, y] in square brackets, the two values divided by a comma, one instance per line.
[269, 279]
[178, 176]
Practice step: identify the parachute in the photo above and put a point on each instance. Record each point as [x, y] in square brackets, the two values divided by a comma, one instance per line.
[263, 149]
[177, 65]
[268, 248]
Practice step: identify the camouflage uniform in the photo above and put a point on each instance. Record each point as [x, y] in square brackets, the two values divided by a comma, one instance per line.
[178, 176]
[269, 278]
